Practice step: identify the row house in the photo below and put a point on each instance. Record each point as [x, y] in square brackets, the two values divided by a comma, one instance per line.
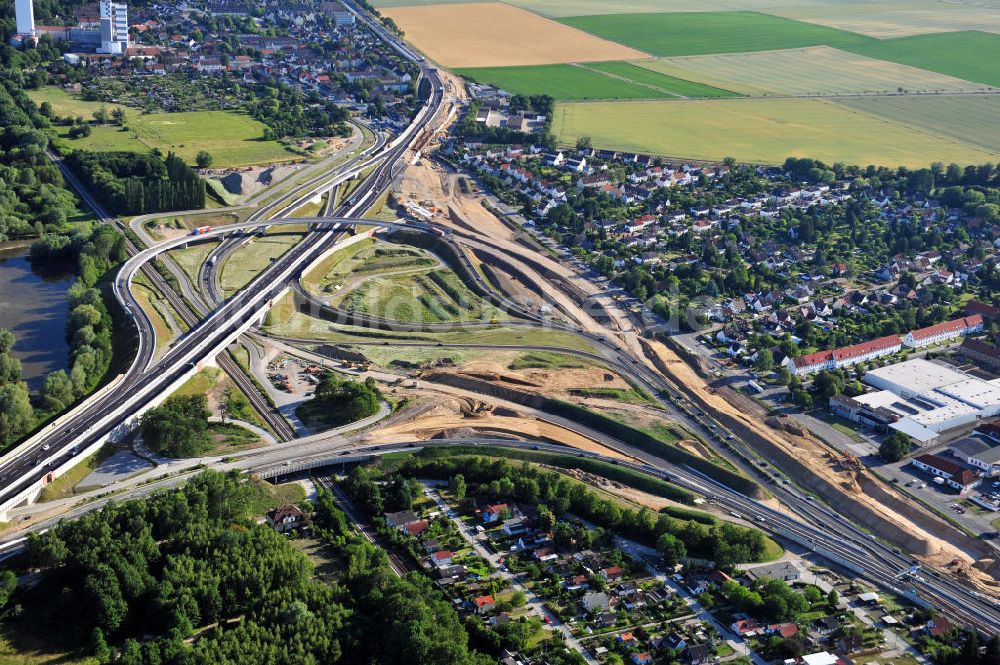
[845, 356]
[943, 331]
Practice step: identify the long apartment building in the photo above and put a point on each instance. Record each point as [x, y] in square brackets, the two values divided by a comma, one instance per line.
[845, 356]
[941, 332]
[884, 346]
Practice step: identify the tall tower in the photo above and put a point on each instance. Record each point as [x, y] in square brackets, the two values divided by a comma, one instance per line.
[114, 27]
[24, 11]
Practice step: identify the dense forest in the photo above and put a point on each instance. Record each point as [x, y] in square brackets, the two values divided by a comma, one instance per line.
[135, 579]
[32, 195]
[133, 184]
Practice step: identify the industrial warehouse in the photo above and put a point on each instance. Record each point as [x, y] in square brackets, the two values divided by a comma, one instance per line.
[922, 399]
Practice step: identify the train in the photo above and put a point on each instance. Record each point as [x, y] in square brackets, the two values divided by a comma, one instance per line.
[201, 230]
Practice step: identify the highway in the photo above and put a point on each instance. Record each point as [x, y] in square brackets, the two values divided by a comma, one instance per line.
[113, 412]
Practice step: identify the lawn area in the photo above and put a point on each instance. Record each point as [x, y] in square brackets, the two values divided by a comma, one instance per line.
[817, 70]
[200, 383]
[627, 396]
[608, 80]
[23, 647]
[546, 360]
[758, 130]
[190, 259]
[302, 326]
[250, 260]
[266, 496]
[151, 304]
[233, 139]
[63, 486]
[385, 355]
[968, 55]
[428, 297]
[366, 258]
[697, 33]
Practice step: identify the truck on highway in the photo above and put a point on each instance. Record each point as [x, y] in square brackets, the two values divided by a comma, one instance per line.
[201, 230]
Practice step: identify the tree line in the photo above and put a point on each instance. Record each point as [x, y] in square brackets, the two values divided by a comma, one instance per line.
[725, 543]
[133, 184]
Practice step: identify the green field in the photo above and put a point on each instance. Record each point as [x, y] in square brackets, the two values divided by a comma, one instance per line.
[429, 297]
[233, 139]
[190, 258]
[250, 260]
[699, 33]
[817, 70]
[973, 56]
[303, 326]
[611, 80]
[677, 86]
[971, 119]
[758, 130]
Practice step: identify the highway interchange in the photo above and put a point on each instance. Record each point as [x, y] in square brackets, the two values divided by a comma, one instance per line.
[215, 323]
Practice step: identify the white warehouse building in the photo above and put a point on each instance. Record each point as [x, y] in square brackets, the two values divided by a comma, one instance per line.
[931, 398]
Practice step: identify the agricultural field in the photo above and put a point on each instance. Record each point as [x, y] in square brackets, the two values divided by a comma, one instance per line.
[972, 56]
[816, 70]
[492, 34]
[604, 80]
[678, 87]
[700, 33]
[758, 130]
[233, 139]
[970, 119]
[885, 20]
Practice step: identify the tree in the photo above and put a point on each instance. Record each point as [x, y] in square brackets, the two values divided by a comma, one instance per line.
[671, 548]
[179, 427]
[895, 447]
[101, 115]
[765, 361]
[457, 486]
[203, 159]
[118, 116]
[832, 599]
[99, 646]
[16, 414]
[57, 391]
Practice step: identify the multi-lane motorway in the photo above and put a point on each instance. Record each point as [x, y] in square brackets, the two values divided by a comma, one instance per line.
[145, 382]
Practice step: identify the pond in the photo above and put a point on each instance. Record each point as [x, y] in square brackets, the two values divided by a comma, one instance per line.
[33, 307]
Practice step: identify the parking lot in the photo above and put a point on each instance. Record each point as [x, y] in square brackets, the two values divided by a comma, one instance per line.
[945, 499]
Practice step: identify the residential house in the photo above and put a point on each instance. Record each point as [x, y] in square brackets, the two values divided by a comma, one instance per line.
[399, 520]
[495, 512]
[285, 518]
[612, 573]
[643, 658]
[595, 601]
[785, 571]
[442, 558]
[484, 604]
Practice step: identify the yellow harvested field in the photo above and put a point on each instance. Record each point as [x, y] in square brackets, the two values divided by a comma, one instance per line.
[492, 34]
[817, 70]
[758, 130]
[888, 20]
